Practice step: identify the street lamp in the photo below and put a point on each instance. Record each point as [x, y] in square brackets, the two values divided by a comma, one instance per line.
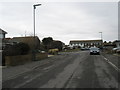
[102, 40]
[101, 35]
[34, 7]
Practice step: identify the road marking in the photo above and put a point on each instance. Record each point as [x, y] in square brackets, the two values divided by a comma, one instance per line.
[105, 78]
[106, 59]
[113, 65]
[26, 82]
[48, 67]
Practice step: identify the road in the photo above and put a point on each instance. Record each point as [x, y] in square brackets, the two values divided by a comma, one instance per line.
[69, 70]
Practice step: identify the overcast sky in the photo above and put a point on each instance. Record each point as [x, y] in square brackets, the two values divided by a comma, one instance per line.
[63, 21]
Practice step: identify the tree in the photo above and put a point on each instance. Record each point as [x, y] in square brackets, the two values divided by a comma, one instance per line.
[47, 42]
[110, 42]
[57, 44]
[105, 41]
[42, 47]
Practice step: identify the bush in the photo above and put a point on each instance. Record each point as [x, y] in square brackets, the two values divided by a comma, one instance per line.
[24, 48]
[57, 44]
[16, 49]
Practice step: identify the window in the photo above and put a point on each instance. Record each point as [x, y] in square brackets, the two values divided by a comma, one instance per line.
[1, 35]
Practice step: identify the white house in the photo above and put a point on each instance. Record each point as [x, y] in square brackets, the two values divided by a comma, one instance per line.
[2, 33]
[85, 43]
[2, 36]
[117, 43]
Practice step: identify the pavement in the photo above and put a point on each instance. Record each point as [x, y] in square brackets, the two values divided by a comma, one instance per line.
[9, 72]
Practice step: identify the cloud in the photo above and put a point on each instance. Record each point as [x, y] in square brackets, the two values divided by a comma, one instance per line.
[63, 21]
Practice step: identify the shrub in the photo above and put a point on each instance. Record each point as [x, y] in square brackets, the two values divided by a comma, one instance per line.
[24, 48]
[16, 49]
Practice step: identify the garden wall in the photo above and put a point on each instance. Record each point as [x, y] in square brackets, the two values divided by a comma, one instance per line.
[22, 59]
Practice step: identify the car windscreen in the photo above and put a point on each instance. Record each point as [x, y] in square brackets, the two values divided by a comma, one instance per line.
[94, 49]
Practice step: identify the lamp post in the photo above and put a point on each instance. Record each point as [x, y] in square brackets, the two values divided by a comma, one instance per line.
[101, 35]
[34, 7]
[102, 40]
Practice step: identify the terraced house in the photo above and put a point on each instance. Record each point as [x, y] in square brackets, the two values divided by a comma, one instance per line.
[117, 43]
[85, 43]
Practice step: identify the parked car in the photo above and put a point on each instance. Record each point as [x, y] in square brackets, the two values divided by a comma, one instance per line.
[116, 50]
[94, 50]
[53, 51]
[41, 51]
[84, 49]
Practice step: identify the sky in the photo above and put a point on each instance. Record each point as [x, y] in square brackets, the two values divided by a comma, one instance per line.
[62, 21]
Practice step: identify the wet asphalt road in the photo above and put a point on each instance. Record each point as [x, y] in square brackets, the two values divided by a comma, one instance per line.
[69, 70]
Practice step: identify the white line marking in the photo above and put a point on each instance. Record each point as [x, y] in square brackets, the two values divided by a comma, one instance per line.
[115, 67]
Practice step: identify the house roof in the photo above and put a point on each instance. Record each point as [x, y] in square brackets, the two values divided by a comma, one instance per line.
[30, 40]
[116, 41]
[2, 31]
[83, 40]
[24, 39]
